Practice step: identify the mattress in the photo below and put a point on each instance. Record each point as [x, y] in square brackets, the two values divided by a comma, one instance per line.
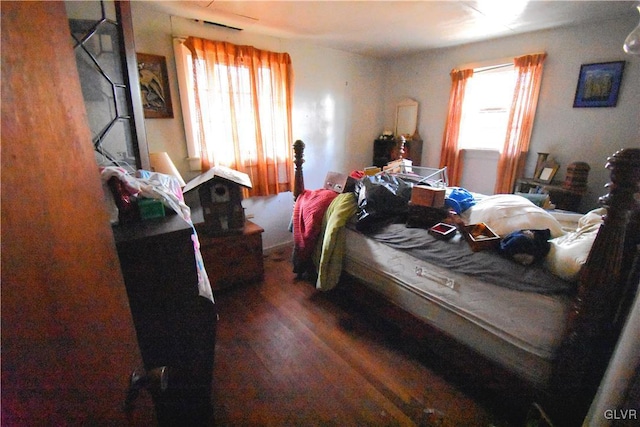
[519, 330]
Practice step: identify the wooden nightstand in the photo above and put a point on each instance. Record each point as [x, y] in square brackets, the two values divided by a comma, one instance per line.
[233, 258]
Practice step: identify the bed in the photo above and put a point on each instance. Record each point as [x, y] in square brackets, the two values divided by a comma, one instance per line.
[556, 331]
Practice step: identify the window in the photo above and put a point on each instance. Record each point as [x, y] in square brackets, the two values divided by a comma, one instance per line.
[527, 77]
[237, 110]
[219, 119]
[486, 107]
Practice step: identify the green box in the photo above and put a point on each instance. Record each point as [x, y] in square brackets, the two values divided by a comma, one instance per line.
[150, 208]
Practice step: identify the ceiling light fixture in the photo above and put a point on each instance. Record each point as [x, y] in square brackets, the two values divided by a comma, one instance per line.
[632, 42]
[505, 12]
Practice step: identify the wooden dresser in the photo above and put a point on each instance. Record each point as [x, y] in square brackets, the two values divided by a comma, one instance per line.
[174, 325]
[233, 258]
[387, 150]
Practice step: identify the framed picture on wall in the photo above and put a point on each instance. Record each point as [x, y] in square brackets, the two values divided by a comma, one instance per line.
[599, 84]
[154, 86]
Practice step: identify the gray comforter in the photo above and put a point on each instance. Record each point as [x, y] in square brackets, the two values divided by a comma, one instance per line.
[456, 255]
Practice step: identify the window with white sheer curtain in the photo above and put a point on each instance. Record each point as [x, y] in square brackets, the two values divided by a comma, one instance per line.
[485, 109]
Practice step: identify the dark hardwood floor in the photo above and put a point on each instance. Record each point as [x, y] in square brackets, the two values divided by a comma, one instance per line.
[287, 354]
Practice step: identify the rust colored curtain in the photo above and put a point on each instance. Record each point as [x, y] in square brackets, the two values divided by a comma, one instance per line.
[243, 103]
[449, 154]
[523, 110]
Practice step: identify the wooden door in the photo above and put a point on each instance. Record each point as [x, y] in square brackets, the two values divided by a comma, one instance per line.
[68, 343]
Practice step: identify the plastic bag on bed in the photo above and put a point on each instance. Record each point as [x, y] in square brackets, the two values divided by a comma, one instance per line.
[382, 198]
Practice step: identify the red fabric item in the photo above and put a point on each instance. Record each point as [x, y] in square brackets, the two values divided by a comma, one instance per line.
[308, 212]
[357, 174]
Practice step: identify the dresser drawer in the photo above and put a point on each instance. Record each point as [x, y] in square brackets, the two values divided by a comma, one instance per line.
[228, 248]
[233, 259]
[238, 271]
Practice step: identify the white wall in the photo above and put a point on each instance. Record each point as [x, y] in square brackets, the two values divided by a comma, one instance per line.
[569, 134]
[337, 108]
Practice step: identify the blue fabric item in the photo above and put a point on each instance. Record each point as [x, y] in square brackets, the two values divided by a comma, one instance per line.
[526, 246]
[459, 200]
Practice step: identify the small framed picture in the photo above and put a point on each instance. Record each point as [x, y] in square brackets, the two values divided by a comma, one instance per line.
[548, 171]
[154, 86]
[599, 84]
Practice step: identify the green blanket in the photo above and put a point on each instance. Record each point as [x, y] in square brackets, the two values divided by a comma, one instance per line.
[330, 248]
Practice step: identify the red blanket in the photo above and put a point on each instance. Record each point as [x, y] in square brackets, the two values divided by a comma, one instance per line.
[308, 212]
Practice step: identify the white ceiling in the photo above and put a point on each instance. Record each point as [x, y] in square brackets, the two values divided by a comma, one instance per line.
[392, 28]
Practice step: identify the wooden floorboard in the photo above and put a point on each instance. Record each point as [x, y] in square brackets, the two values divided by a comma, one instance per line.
[287, 354]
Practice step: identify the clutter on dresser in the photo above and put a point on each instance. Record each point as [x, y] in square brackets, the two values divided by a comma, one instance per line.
[150, 208]
[145, 196]
[387, 149]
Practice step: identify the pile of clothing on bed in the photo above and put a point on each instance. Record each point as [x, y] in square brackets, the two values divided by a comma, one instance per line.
[534, 244]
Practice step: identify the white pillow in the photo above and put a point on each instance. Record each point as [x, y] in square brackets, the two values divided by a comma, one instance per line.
[568, 253]
[506, 213]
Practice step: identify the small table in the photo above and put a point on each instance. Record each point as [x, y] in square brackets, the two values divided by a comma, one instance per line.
[230, 258]
[233, 258]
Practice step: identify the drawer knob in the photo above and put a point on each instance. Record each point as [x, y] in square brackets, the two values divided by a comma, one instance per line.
[156, 379]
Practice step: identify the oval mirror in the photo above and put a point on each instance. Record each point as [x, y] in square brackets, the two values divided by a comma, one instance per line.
[406, 118]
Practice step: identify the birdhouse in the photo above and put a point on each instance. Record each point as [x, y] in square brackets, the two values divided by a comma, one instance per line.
[220, 193]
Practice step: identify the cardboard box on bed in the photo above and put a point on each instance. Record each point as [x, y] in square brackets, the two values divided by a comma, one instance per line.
[480, 237]
[339, 182]
[424, 195]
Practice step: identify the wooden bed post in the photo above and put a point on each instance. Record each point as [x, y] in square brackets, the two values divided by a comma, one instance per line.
[593, 326]
[298, 184]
